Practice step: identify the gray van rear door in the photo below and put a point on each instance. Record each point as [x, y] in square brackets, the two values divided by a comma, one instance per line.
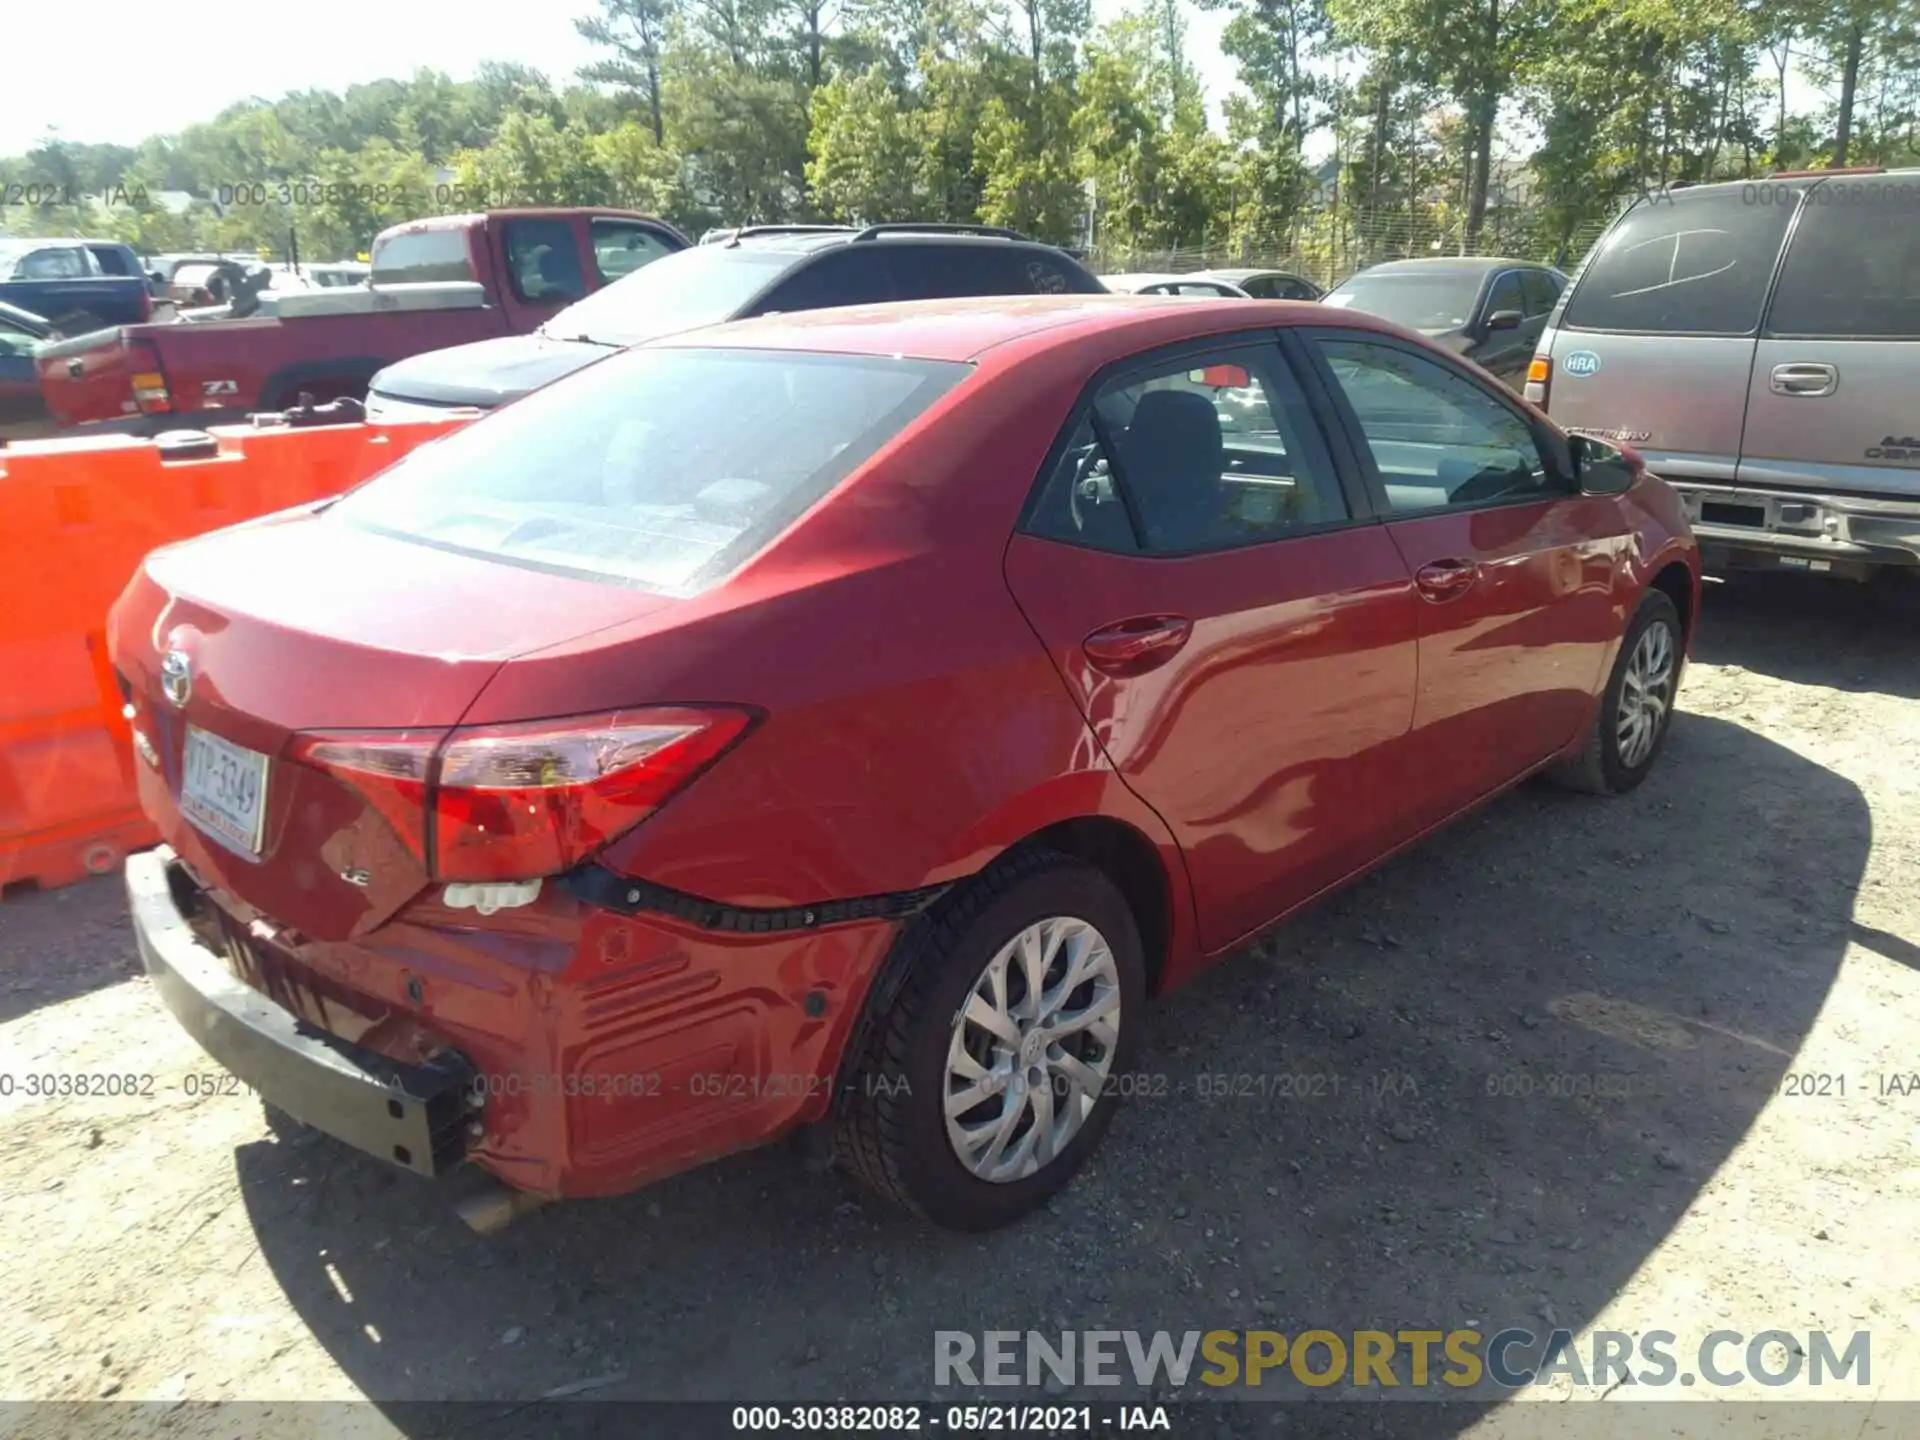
[1655, 344]
[1834, 403]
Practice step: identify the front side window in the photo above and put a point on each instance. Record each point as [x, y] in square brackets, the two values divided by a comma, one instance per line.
[1686, 264]
[1204, 453]
[1853, 270]
[544, 262]
[664, 469]
[1438, 440]
[621, 247]
[1542, 292]
[1507, 295]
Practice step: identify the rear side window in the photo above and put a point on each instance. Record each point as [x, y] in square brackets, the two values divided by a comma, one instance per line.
[1854, 266]
[112, 260]
[663, 469]
[544, 261]
[424, 255]
[1685, 264]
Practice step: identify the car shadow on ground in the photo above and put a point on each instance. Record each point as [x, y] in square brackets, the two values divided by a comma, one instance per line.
[1814, 630]
[62, 944]
[1477, 1088]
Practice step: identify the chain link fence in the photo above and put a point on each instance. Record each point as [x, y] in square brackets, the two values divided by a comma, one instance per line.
[1327, 245]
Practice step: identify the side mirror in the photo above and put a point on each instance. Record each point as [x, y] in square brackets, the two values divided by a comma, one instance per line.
[1504, 320]
[1600, 468]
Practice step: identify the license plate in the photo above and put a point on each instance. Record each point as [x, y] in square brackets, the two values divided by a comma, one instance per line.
[223, 791]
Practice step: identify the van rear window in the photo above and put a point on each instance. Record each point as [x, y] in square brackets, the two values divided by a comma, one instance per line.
[1685, 264]
[664, 469]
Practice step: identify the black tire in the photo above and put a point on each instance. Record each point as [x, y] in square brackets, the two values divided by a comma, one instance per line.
[1598, 769]
[890, 1129]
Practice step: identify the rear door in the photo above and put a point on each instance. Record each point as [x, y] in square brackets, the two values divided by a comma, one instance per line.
[1236, 629]
[1514, 567]
[1655, 344]
[1834, 403]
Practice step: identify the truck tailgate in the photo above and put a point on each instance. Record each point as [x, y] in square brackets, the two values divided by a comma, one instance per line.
[89, 377]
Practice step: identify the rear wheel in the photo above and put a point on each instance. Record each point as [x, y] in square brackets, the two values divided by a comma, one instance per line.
[1636, 711]
[1004, 1024]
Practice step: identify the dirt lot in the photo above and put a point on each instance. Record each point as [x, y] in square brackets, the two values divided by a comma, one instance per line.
[1751, 914]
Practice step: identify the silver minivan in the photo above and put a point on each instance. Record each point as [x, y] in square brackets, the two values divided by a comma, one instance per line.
[1758, 343]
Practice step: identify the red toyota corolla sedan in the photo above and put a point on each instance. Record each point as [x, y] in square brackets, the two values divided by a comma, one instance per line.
[851, 718]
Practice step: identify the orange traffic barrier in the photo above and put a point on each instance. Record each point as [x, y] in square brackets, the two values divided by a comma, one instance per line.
[76, 518]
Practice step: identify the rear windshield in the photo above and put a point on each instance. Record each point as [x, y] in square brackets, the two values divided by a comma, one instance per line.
[682, 291]
[664, 469]
[1417, 301]
[1685, 264]
[424, 255]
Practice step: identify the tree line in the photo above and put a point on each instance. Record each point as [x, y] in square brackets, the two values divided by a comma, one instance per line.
[1026, 113]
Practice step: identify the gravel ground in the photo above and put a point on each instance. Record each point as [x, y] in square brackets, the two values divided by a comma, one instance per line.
[1749, 915]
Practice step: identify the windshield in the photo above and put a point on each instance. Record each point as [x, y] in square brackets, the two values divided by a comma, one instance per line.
[1420, 302]
[682, 291]
[659, 468]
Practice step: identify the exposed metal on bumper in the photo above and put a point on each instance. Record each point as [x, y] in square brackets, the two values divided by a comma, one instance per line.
[1813, 527]
[414, 1116]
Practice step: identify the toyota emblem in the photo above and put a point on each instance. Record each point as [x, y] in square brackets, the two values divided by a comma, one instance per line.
[176, 677]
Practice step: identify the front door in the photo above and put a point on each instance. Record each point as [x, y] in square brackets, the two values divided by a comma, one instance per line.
[1514, 567]
[1241, 644]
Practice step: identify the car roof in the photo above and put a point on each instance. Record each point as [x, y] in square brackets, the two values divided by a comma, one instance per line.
[809, 241]
[966, 329]
[1236, 276]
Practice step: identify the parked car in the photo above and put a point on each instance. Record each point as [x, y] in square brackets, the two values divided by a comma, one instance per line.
[1490, 311]
[1775, 392]
[79, 286]
[20, 332]
[755, 270]
[434, 283]
[1157, 284]
[807, 723]
[1267, 284]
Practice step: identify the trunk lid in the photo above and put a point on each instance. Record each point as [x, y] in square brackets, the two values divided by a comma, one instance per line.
[302, 624]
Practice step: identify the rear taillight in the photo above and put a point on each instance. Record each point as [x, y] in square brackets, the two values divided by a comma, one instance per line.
[517, 802]
[148, 380]
[1539, 373]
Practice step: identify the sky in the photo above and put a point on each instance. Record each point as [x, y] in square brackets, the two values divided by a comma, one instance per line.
[130, 87]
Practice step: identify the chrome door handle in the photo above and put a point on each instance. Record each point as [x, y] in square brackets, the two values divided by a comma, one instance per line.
[1810, 380]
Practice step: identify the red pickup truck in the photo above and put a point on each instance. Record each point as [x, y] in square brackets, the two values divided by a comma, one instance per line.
[434, 283]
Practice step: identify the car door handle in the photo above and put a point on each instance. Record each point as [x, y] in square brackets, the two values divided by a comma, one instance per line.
[1444, 579]
[1805, 379]
[1133, 647]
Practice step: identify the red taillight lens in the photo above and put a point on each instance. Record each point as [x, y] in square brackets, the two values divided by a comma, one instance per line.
[516, 802]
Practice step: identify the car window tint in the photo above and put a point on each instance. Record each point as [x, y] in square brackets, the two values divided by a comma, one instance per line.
[1507, 295]
[923, 271]
[621, 247]
[425, 255]
[664, 468]
[543, 261]
[848, 276]
[1438, 439]
[112, 260]
[1261, 287]
[1688, 264]
[1853, 268]
[1541, 291]
[1212, 453]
